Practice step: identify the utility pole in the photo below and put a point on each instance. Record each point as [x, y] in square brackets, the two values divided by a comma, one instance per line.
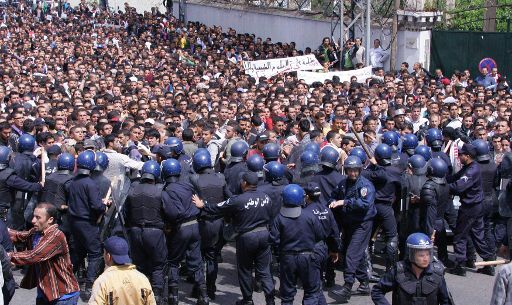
[394, 44]
[342, 31]
[490, 15]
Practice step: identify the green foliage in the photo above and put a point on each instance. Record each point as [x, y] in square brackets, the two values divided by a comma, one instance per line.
[468, 15]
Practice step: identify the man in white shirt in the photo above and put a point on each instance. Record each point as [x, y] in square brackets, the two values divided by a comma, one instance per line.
[378, 56]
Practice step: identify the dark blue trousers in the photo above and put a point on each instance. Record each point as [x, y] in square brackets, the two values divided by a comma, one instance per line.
[253, 253]
[305, 267]
[86, 238]
[185, 242]
[210, 231]
[386, 218]
[149, 253]
[356, 237]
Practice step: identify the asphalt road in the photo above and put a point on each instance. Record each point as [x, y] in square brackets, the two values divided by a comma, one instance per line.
[475, 289]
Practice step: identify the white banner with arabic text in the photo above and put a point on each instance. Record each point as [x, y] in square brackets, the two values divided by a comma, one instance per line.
[311, 77]
[271, 67]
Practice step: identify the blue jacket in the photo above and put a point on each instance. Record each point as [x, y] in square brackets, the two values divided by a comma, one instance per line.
[326, 218]
[359, 198]
[467, 184]
[386, 181]
[328, 179]
[177, 202]
[84, 199]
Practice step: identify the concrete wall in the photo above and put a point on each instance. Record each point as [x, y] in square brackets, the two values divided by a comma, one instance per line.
[413, 46]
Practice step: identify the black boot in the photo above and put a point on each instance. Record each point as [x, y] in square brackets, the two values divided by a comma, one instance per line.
[344, 293]
[173, 296]
[363, 289]
[211, 289]
[470, 263]
[195, 292]
[270, 299]
[158, 296]
[86, 294]
[244, 302]
[203, 296]
[458, 270]
[489, 270]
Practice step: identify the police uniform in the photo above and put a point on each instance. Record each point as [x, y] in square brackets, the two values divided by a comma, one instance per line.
[435, 196]
[296, 239]
[85, 207]
[490, 183]
[26, 166]
[186, 170]
[413, 212]
[251, 212]
[143, 212]
[211, 187]
[56, 192]
[102, 181]
[303, 175]
[386, 181]
[355, 218]
[429, 289]
[328, 179]
[183, 238]
[274, 189]
[467, 184]
[233, 173]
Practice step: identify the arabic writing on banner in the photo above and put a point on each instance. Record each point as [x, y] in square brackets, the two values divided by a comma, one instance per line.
[272, 67]
[311, 77]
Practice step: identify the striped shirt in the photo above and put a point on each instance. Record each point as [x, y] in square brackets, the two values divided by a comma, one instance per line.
[51, 256]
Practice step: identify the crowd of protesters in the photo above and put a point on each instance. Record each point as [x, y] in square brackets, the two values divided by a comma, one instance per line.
[128, 84]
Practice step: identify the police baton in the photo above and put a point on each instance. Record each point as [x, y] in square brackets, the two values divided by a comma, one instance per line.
[104, 200]
[363, 145]
[492, 263]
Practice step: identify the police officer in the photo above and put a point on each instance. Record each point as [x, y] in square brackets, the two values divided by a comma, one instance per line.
[467, 184]
[143, 214]
[53, 153]
[410, 207]
[272, 152]
[56, 188]
[210, 187]
[274, 184]
[331, 246]
[417, 280]
[392, 139]
[490, 183]
[85, 207]
[353, 202]
[434, 139]
[255, 164]
[251, 212]
[308, 167]
[97, 174]
[26, 166]
[386, 180]
[183, 238]
[424, 151]
[178, 153]
[328, 177]
[236, 166]
[10, 182]
[295, 232]
[435, 196]
[409, 144]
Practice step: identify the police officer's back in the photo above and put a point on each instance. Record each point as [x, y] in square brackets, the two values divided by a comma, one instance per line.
[328, 177]
[413, 183]
[308, 167]
[178, 153]
[416, 280]
[236, 166]
[409, 144]
[103, 182]
[274, 184]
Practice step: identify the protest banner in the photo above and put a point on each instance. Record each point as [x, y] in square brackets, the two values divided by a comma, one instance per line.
[311, 77]
[272, 67]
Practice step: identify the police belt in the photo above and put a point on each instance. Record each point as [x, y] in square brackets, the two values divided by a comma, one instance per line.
[257, 229]
[148, 226]
[188, 223]
[305, 252]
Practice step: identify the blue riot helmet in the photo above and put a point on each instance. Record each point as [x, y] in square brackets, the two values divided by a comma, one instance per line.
[329, 157]
[271, 152]
[5, 156]
[359, 151]
[434, 138]
[26, 142]
[201, 159]
[150, 170]
[239, 151]
[255, 164]
[86, 162]
[482, 150]
[175, 144]
[383, 154]
[101, 161]
[418, 164]
[309, 159]
[417, 242]
[423, 151]
[409, 143]
[390, 138]
[66, 161]
[171, 168]
[353, 162]
[313, 147]
[437, 169]
[273, 170]
[293, 199]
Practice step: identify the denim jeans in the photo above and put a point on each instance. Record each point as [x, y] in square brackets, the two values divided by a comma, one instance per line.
[71, 301]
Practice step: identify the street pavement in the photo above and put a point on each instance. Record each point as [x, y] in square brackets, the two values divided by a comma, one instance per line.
[475, 289]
